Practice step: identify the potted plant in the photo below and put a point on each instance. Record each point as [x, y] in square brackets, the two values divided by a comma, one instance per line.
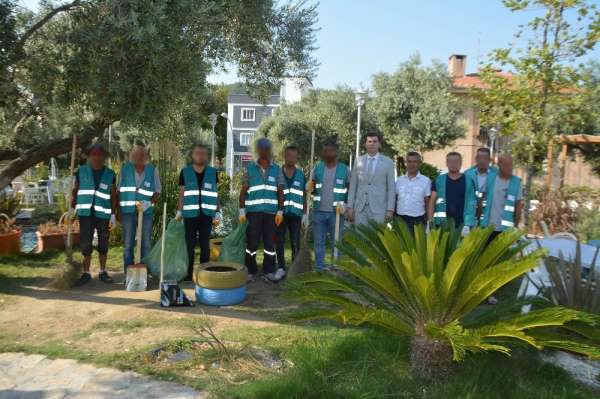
[574, 286]
[10, 236]
[428, 287]
[52, 235]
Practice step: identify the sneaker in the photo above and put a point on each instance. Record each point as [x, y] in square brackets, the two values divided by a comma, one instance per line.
[251, 277]
[270, 277]
[280, 273]
[84, 279]
[105, 278]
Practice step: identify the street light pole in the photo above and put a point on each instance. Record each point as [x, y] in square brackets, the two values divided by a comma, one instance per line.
[493, 134]
[229, 142]
[360, 101]
[213, 123]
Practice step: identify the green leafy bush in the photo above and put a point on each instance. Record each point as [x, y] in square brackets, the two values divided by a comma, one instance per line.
[425, 287]
[588, 224]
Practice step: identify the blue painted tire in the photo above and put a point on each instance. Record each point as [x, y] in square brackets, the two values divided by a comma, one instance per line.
[224, 297]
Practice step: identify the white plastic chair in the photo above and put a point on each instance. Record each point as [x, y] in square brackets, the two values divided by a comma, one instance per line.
[565, 235]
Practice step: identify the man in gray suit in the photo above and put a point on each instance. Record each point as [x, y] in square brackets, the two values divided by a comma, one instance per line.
[372, 185]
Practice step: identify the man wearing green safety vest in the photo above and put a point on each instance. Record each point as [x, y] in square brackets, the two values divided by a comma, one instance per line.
[480, 173]
[294, 208]
[139, 187]
[503, 199]
[94, 199]
[198, 204]
[330, 193]
[453, 196]
[261, 204]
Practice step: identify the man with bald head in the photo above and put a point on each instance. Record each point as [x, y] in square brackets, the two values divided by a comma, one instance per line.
[503, 198]
[139, 187]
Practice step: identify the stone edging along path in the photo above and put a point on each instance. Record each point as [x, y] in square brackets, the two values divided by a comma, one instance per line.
[35, 377]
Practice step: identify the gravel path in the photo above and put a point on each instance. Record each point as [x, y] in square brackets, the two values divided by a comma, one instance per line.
[37, 377]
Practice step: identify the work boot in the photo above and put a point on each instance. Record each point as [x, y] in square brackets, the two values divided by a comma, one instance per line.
[105, 278]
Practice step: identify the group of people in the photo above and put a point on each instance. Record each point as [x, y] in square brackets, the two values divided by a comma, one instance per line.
[273, 200]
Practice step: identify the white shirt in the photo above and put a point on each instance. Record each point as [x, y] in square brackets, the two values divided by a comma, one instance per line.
[411, 193]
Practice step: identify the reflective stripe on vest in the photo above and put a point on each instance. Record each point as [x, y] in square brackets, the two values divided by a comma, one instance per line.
[440, 216]
[129, 194]
[293, 197]
[340, 191]
[196, 198]
[88, 197]
[508, 211]
[262, 191]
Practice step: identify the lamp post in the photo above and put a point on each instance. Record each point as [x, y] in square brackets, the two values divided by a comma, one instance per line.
[493, 135]
[213, 123]
[229, 142]
[359, 96]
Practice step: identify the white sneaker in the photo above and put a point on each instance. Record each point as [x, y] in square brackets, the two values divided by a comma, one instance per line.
[280, 273]
[271, 277]
[250, 278]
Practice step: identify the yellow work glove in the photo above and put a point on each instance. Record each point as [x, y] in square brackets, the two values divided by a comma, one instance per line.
[278, 218]
[242, 217]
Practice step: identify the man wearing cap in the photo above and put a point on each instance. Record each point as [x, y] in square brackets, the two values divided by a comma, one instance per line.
[261, 204]
[198, 204]
[95, 201]
[139, 187]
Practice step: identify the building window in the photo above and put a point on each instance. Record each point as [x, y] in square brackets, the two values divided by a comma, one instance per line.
[248, 115]
[246, 139]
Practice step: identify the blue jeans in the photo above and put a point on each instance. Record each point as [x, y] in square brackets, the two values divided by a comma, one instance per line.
[324, 224]
[129, 223]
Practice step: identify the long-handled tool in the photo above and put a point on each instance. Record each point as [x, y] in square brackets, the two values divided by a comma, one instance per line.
[302, 262]
[162, 244]
[337, 233]
[68, 275]
[137, 274]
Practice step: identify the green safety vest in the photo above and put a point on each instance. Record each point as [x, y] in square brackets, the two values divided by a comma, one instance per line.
[340, 191]
[293, 196]
[88, 196]
[508, 213]
[262, 192]
[472, 174]
[194, 197]
[129, 194]
[439, 215]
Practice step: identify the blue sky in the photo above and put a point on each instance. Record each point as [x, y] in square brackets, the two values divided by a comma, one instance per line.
[358, 38]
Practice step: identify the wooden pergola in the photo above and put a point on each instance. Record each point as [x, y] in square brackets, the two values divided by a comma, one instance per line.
[565, 141]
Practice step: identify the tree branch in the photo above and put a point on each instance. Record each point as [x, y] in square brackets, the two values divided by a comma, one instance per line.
[45, 151]
[20, 44]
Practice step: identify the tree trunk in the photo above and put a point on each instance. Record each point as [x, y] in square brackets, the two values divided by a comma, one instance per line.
[43, 152]
[430, 358]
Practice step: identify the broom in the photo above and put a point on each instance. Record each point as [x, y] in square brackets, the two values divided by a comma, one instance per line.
[65, 277]
[303, 261]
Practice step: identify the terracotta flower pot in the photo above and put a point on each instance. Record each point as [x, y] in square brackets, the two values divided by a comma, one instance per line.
[54, 241]
[10, 243]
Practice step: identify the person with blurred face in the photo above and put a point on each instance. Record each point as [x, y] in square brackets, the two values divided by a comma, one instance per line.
[412, 193]
[330, 190]
[139, 187]
[372, 185]
[94, 199]
[294, 208]
[198, 204]
[453, 196]
[262, 206]
[481, 173]
[504, 199]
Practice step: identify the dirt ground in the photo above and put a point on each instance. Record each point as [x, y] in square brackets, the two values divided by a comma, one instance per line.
[103, 318]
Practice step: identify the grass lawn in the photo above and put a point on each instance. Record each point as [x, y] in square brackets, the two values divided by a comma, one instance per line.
[315, 360]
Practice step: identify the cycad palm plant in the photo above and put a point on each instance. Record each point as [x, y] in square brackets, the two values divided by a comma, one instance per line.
[424, 285]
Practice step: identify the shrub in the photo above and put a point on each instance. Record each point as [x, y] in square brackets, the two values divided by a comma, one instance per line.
[588, 224]
[424, 287]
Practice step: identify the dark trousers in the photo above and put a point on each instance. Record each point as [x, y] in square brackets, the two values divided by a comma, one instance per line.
[261, 227]
[411, 221]
[197, 230]
[87, 225]
[291, 223]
